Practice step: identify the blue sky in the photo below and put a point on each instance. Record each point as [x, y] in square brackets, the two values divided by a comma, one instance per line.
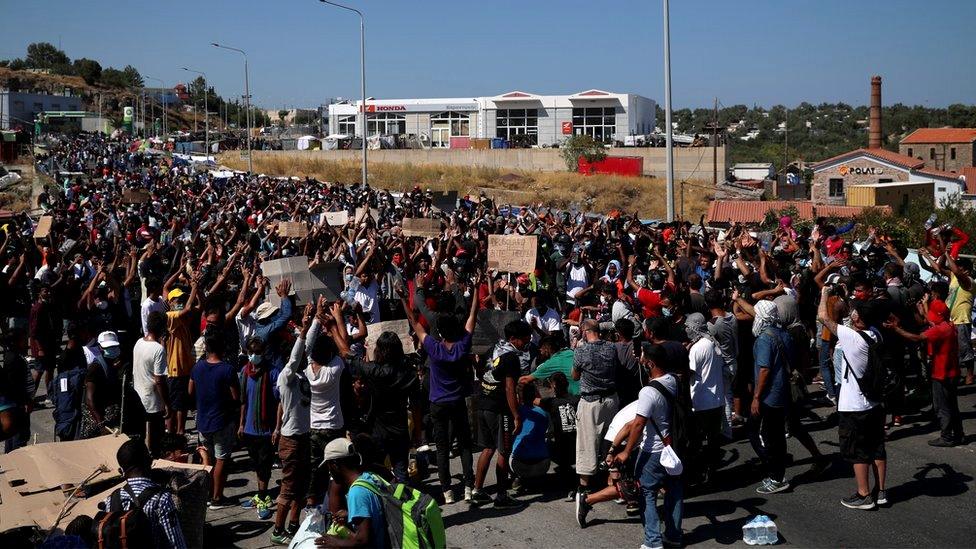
[762, 52]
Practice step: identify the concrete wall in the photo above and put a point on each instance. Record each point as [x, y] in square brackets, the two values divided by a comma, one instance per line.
[965, 155]
[689, 163]
[820, 186]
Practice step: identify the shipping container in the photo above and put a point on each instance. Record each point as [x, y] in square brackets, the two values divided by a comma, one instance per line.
[631, 166]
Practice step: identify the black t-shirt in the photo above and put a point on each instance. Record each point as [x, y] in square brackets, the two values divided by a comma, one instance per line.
[493, 382]
[392, 389]
[562, 415]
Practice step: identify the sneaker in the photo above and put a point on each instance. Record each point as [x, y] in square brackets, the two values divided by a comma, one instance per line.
[582, 509]
[448, 497]
[633, 509]
[479, 498]
[292, 529]
[881, 497]
[222, 503]
[896, 421]
[281, 538]
[264, 508]
[251, 503]
[770, 486]
[468, 493]
[857, 501]
[941, 443]
[506, 502]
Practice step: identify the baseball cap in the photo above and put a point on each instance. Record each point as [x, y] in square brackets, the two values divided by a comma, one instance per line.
[175, 294]
[108, 339]
[265, 311]
[338, 449]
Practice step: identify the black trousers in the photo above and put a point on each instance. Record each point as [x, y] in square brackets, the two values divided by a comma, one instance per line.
[450, 421]
[771, 448]
[946, 407]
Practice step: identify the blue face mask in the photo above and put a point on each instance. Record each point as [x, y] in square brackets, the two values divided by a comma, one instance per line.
[255, 359]
[665, 312]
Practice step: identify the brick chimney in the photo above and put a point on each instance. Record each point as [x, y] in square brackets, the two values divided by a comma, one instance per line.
[874, 131]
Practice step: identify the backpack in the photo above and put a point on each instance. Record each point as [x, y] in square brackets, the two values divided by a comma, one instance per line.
[413, 519]
[878, 382]
[66, 391]
[118, 529]
[681, 426]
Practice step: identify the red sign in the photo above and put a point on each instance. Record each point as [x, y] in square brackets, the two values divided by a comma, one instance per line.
[567, 128]
[385, 108]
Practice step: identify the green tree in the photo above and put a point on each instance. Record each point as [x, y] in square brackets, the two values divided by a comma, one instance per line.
[131, 77]
[89, 69]
[113, 78]
[282, 114]
[43, 55]
[581, 145]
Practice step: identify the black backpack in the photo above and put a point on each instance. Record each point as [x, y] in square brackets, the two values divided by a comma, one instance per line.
[878, 382]
[681, 424]
[119, 529]
[66, 392]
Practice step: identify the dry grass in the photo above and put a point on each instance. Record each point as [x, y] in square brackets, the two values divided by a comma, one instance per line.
[596, 193]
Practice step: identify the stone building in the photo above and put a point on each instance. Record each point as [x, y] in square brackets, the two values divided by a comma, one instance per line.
[946, 149]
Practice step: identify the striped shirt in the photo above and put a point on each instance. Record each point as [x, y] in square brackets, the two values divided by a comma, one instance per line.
[160, 510]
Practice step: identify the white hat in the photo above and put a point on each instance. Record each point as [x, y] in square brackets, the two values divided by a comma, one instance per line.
[108, 339]
[265, 310]
[338, 449]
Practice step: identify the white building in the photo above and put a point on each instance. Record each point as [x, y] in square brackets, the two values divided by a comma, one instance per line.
[754, 170]
[518, 117]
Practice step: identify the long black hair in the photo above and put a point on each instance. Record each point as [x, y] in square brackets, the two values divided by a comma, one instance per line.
[389, 349]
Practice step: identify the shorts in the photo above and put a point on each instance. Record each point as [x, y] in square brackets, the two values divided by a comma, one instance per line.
[261, 452]
[964, 333]
[296, 472]
[862, 435]
[221, 444]
[178, 388]
[495, 431]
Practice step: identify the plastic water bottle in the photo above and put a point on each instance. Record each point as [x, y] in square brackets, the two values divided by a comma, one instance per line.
[771, 532]
[750, 531]
[930, 222]
[761, 522]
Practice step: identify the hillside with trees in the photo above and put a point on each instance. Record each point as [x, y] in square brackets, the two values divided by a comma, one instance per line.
[814, 132]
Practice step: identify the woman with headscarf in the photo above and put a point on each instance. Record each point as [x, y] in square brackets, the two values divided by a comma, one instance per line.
[770, 396]
[707, 391]
[612, 276]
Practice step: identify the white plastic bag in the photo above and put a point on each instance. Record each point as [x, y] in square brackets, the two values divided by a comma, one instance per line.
[671, 462]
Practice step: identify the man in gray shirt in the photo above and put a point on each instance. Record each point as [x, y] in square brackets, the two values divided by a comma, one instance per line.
[723, 328]
[595, 365]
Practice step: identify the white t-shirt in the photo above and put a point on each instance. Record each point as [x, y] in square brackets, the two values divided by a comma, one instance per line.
[324, 407]
[652, 404]
[707, 385]
[149, 306]
[577, 280]
[148, 360]
[623, 417]
[856, 354]
[548, 322]
[366, 296]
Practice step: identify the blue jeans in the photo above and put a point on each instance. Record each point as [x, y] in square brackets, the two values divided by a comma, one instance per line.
[827, 369]
[652, 477]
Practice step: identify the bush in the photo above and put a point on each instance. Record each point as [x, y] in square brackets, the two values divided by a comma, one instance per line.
[581, 145]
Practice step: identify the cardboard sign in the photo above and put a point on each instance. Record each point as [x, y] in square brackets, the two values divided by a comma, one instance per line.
[305, 285]
[362, 212]
[415, 226]
[400, 327]
[490, 328]
[292, 229]
[136, 196]
[336, 219]
[43, 226]
[511, 253]
[445, 202]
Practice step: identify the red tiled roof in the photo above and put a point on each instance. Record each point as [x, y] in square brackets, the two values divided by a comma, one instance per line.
[938, 173]
[970, 175]
[940, 135]
[884, 155]
[753, 211]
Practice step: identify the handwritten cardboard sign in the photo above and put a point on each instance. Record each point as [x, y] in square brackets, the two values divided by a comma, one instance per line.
[306, 285]
[445, 202]
[292, 229]
[415, 226]
[399, 327]
[336, 219]
[136, 196]
[511, 253]
[43, 226]
[362, 212]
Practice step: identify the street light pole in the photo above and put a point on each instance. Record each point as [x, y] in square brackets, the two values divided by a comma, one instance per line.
[362, 69]
[667, 113]
[162, 87]
[247, 101]
[206, 110]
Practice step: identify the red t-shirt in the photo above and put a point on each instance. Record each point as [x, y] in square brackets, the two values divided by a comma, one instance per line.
[650, 302]
[944, 350]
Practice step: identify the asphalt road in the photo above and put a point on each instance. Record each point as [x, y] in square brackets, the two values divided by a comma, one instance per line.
[930, 490]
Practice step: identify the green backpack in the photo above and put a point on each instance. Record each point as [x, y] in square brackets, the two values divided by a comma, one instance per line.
[413, 519]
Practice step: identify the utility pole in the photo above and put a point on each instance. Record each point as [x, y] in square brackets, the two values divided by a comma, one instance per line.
[786, 136]
[715, 146]
[669, 157]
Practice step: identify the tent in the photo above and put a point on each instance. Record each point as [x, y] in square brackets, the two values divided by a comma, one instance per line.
[309, 143]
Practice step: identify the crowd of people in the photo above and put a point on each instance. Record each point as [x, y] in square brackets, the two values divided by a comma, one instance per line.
[628, 357]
